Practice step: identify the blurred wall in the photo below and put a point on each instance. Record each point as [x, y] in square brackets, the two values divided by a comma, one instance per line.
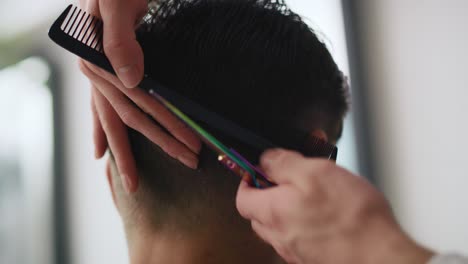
[415, 68]
[95, 230]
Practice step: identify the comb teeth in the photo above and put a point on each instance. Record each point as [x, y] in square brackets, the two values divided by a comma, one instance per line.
[83, 27]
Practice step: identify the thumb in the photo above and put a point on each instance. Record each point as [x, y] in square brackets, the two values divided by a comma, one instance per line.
[284, 166]
[120, 45]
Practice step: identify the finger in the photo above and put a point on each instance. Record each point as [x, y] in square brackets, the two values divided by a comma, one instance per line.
[110, 180]
[284, 166]
[155, 109]
[120, 45]
[118, 141]
[90, 6]
[137, 120]
[83, 4]
[254, 204]
[100, 140]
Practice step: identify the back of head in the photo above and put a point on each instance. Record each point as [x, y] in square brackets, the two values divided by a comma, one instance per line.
[254, 62]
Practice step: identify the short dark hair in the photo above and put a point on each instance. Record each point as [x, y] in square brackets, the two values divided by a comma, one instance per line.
[254, 62]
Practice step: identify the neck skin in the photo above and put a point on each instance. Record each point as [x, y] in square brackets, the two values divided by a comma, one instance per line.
[204, 247]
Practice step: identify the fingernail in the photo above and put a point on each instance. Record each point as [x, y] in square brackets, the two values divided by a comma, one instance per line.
[189, 161]
[129, 75]
[269, 157]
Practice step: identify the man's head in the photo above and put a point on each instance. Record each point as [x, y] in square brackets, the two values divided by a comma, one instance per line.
[252, 61]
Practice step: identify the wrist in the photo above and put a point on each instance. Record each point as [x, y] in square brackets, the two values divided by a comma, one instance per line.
[394, 246]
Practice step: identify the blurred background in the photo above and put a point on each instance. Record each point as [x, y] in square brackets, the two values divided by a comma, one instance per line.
[407, 132]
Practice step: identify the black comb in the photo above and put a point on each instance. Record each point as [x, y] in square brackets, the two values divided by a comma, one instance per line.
[81, 33]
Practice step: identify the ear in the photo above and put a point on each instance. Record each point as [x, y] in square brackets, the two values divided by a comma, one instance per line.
[109, 180]
[319, 133]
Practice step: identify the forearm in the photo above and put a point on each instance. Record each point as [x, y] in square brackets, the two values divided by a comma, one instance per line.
[408, 252]
[397, 247]
[386, 243]
[448, 259]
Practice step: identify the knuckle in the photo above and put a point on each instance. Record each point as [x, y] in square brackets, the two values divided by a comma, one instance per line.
[113, 46]
[127, 117]
[309, 187]
[310, 193]
[321, 166]
[243, 213]
[242, 210]
[283, 159]
[318, 171]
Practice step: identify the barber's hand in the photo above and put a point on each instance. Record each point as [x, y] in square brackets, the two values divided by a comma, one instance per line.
[112, 109]
[115, 106]
[120, 18]
[321, 213]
